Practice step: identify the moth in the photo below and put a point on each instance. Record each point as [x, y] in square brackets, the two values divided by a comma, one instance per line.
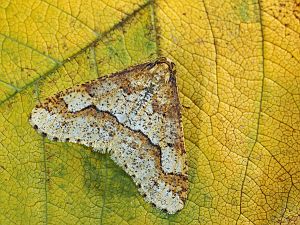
[134, 115]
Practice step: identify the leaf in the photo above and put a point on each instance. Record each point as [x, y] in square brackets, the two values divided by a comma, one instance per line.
[238, 75]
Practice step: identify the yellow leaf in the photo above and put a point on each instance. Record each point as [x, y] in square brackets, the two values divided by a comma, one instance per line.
[238, 75]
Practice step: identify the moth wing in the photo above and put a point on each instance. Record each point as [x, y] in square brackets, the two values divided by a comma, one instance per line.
[134, 115]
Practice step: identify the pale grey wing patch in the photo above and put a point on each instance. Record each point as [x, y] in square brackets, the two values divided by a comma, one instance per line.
[77, 101]
[170, 161]
[107, 87]
[164, 198]
[116, 106]
[81, 129]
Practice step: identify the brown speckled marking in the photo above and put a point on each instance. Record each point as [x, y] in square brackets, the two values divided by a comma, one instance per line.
[135, 116]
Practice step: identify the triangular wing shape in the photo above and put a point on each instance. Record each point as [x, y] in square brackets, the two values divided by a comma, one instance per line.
[135, 116]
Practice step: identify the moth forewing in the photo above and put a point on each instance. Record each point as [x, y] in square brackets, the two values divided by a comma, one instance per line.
[135, 116]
